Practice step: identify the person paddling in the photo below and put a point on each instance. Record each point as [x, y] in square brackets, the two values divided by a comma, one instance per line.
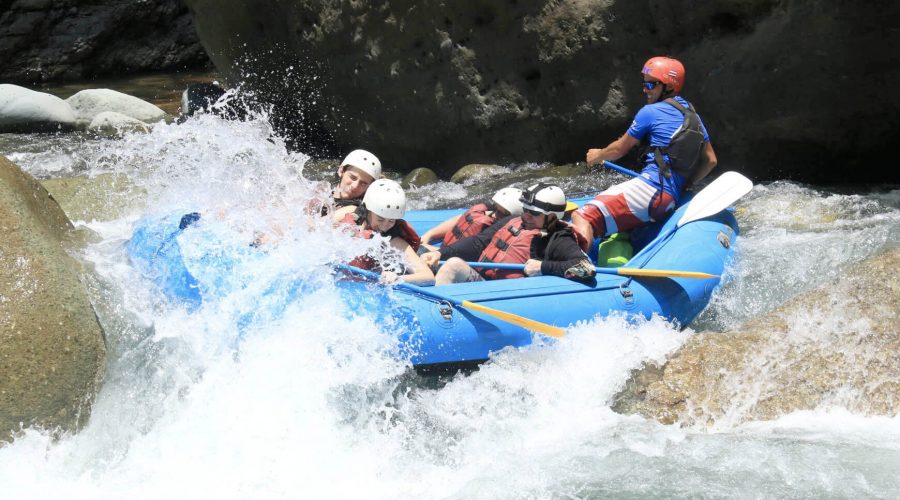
[477, 218]
[678, 154]
[381, 212]
[537, 238]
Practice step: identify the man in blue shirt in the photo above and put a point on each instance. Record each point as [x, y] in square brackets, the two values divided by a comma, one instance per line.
[678, 154]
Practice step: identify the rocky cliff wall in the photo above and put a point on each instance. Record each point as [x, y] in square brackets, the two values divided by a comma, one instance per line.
[63, 40]
[788, 89]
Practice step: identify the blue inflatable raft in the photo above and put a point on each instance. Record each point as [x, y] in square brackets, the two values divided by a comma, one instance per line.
[439, 330]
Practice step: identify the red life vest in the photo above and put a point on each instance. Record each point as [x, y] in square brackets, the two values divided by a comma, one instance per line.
[401, 229]
[474, 221]
[510, 244]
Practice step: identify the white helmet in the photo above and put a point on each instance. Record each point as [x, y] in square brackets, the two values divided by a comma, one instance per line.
[508, 198]
[385, 198]
[365, 161]
[544, 198]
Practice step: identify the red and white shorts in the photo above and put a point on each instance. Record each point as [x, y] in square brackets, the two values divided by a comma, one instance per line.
[626, 206]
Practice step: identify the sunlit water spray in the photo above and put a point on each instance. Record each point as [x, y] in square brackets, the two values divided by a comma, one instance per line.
[314, 400]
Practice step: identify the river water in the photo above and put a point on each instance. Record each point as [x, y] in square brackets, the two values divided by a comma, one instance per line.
[312, 403]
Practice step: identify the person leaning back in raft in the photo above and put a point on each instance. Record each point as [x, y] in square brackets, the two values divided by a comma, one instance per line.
[381, 212]
[476, 219]
[537, 238]
[678, 154]
[355, 174]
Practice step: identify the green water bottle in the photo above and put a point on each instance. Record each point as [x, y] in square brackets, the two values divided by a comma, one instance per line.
[615, 251]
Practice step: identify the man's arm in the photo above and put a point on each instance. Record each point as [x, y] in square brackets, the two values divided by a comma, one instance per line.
[615, 150]
[470, 248]
[566, 253]
[708, 162]
[438, 232]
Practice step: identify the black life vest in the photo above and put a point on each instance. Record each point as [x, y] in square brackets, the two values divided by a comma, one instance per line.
[474, 221]
[684, 146]
[510, 244]
[340, 202]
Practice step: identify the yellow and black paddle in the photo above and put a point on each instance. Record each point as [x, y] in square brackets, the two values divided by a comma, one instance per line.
[515, 319]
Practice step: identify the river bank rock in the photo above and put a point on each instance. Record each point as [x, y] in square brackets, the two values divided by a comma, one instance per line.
[114, 124]
[52, 348]
[24, 110]
[419, 177]
[88, 104]
[787, 89]
[66, 40]
[101, 197]
[837, 345]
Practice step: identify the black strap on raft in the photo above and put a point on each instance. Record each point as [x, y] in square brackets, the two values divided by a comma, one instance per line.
[684, 147]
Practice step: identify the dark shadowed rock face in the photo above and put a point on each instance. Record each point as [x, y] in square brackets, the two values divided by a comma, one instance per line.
[787, 89]
[58, 40]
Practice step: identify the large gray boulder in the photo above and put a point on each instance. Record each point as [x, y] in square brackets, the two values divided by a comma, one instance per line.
[786, 88]
[24, 110]
[52, 349]
[89, 104]
[835, 346]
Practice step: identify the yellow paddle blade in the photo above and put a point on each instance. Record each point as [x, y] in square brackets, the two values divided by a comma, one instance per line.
[530, 324]
[659, 273]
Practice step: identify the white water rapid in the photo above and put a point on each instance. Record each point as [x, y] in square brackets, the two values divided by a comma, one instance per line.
[313, 404]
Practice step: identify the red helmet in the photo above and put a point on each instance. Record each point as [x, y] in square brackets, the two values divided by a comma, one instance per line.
[667, 70]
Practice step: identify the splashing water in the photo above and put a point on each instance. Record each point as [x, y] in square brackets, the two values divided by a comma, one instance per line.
[314, 401]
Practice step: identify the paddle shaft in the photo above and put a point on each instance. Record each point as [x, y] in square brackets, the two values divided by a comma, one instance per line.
[618, 271]
[620, 169]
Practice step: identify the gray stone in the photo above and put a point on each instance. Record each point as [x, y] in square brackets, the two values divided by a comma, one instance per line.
[419, 177]
[24, 110]
[101, 197]
[113, 123]
[88, 104]
[52, 349]
[475, 171]
[837, 345]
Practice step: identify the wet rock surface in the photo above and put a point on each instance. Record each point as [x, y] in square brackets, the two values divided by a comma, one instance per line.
[64, 40]
[52, 349]
[835, 346]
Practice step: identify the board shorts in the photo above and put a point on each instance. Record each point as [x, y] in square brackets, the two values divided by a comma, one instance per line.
[626, 206]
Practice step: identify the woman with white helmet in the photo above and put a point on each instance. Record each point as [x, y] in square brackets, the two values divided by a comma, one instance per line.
[537, 238]
[355, 174]
[476, 219]
[381, 212]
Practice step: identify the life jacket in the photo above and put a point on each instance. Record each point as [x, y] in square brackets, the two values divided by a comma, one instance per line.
[401, 229]
[510, 244]
[474, 221]
[684, 146]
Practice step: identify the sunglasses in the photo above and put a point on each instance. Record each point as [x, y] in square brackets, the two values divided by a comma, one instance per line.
[650, 85]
